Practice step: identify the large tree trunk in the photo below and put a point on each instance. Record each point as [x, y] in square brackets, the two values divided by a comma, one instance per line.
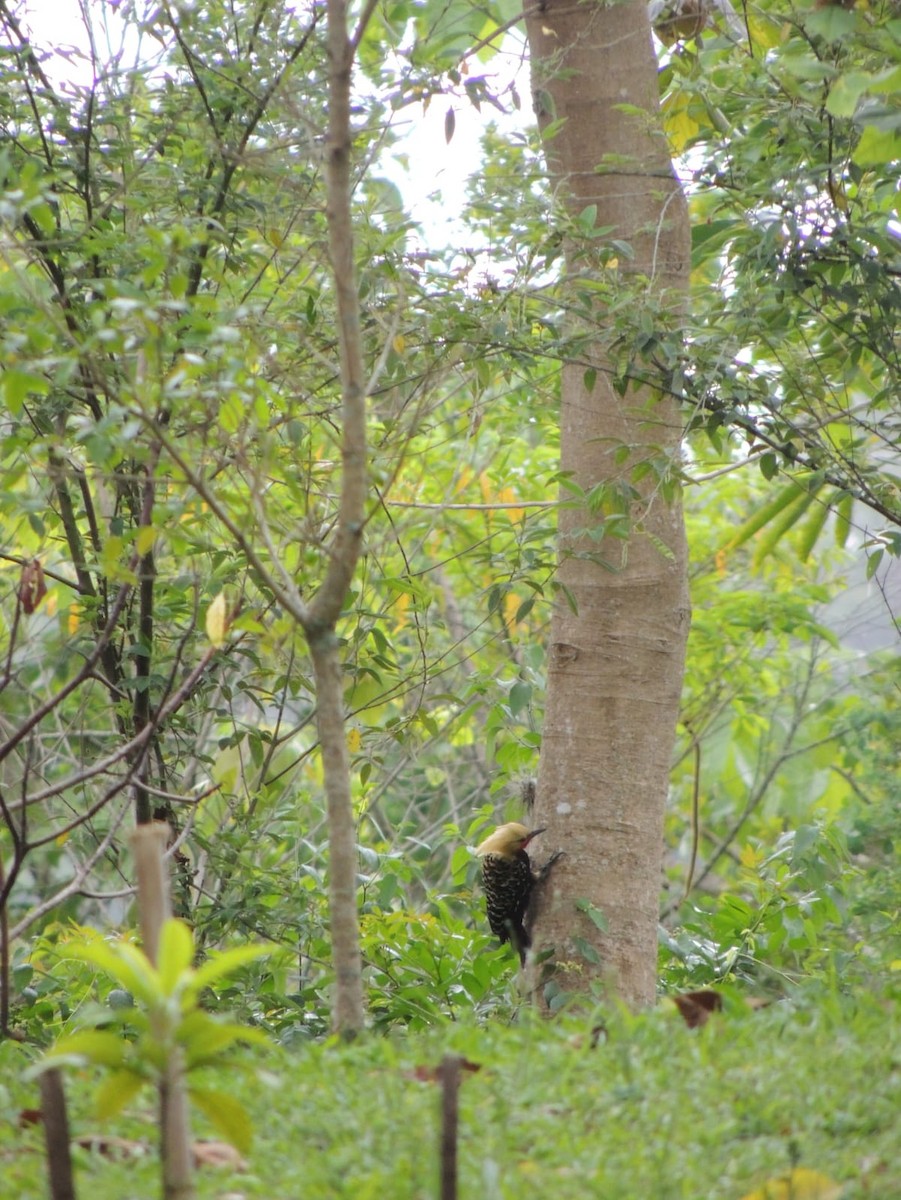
[615, 666]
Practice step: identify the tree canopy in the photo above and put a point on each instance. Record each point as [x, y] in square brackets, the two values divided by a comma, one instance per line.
[171, 464]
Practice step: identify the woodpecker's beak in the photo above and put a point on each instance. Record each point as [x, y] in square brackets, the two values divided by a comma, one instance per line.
[534, 833]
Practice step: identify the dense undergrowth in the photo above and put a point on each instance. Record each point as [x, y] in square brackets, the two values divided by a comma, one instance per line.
[802, 1071]
[603, 1104]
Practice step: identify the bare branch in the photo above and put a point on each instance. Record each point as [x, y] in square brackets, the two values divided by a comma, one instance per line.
[90, 663]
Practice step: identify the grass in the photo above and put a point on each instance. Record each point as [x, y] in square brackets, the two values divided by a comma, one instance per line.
[653, 1112]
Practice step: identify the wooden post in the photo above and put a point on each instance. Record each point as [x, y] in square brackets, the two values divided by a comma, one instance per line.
[148, 844]
[449, 1075]
[56, 1136]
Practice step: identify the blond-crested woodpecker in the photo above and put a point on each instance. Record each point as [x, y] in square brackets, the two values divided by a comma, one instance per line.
[508, 879]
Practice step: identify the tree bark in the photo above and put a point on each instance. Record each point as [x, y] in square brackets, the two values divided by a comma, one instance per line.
[615, 665]
[56, 1136]
[320, 620]
[348, 1011]
[148, 843]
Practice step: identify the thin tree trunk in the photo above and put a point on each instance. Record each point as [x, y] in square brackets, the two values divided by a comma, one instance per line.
[320, 620]
[615, 666]
[347, 1007]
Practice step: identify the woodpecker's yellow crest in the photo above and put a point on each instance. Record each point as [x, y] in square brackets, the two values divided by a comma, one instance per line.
[508, 840]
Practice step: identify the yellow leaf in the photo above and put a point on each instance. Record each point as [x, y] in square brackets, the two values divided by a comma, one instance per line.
[766, 33]
[217, 620]
[146, 536]
[508, 496]
[401, 607]
[74, 619]
[112, 552]
[464, 479]
[354, 740]
[399, 343]
[799, 1184]
[750, 856]
[679, 125]
[511, 608]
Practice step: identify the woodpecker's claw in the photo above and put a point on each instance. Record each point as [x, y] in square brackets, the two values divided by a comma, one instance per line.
[546, 869]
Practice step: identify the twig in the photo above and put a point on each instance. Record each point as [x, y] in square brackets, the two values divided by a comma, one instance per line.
[695, 819]
[90, 662]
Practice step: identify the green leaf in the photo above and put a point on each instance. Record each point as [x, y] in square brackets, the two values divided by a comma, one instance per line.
[587, 218]
[221, 965]
[567, 594]
[769, 465]
[115, 1092]
[813, 527]
[594, 914]
[174, 955]
[874, 558]
[128, 965]
[843, 511]
[461, 860]
[51, 1064]
[204, 1038]
[100, 1047]
[589, 952]
[19, 385]
[806, 66]
[520, 697]
[805, 837]
[831, 22]
[780, 513]
[777, 529]
[679, 120]
[228, 1116]
[524, 609]
[709, 237]
[877, 147]
[846, 92]
[660, 546]
[558, 1001]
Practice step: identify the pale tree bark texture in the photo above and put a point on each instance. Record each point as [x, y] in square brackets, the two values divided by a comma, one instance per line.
[320, 618]
[615, 665]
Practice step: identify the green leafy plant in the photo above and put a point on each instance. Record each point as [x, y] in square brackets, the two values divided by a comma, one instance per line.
[157, 1014]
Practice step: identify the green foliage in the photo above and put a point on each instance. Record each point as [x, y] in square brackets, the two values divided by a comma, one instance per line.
[425, 968]
[169, 381]
[780, 763]
[793, 143]
[169, 445]
[652, 1110]
[158, 1013]
[423, 962]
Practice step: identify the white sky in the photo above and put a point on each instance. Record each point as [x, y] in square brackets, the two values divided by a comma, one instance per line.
[439, 166]
[433, 186]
